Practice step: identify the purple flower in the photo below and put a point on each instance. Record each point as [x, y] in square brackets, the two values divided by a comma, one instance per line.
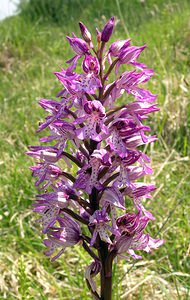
[49, 215]
[127, 134]
[100, 219]
[94, 115]
[123, 178]
[90, 64]
[128, 55]
[61, 131]
[92, 270]
[132, 237]
[48, 154]
[78, 45]
[129, 81]
[57, 110]
[78, 84]
[131, 223]
[69, 234]
[117, 47]
[140, 189]
[58, 199]
[153, 244]
[102, 156]
[46, 172]
[88, 175]
[112, 198]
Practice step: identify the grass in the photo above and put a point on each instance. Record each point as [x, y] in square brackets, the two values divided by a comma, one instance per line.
[32, 46]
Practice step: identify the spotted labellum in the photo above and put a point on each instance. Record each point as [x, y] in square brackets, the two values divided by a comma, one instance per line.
[90, 174]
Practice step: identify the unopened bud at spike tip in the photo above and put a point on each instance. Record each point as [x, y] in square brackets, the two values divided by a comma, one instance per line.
[98, 33]
[78, 45]
[85, 33]
[108, 29]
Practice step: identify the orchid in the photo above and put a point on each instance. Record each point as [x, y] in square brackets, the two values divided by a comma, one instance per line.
[99, 145]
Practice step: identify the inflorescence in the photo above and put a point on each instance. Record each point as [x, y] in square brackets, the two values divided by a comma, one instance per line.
[93, 164]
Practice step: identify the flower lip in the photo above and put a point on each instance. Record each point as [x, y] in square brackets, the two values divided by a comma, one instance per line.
[91, 64]
[99, 217]
[94, 106]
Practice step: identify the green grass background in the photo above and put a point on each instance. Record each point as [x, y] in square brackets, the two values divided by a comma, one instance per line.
[32, 47]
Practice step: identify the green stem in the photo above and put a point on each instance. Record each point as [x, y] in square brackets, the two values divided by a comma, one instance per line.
[114, 176]
[89, 250]
[110, 69]
[69, 176]
[101, 90]
[74, 215]
[106, 272]
[72, 158]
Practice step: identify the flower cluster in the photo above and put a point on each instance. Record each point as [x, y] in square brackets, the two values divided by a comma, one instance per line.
[89, 130]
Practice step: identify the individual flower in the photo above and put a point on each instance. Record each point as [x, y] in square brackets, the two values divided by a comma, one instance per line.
[131, 227]
[59, 199]
[46, 172]
[99, 220]
[91, 64]
[128, 55]
[123, 178]
[94, 118]
[116, 47]
[111, 199]
[79, 84]
[62, 132]
[68, 234]
[91, 271]
[80, 47]
[88, 176]
[48, 154]
[126, 135]
[57, 110]
[132, 236]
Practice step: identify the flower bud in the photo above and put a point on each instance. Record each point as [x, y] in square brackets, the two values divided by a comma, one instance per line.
[85, 33]
[117, 46]
[98, 34]
[78, 45]
[107, 31]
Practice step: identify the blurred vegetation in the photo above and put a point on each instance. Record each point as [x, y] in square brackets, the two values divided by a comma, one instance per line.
[63, 12]
[32, 47]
